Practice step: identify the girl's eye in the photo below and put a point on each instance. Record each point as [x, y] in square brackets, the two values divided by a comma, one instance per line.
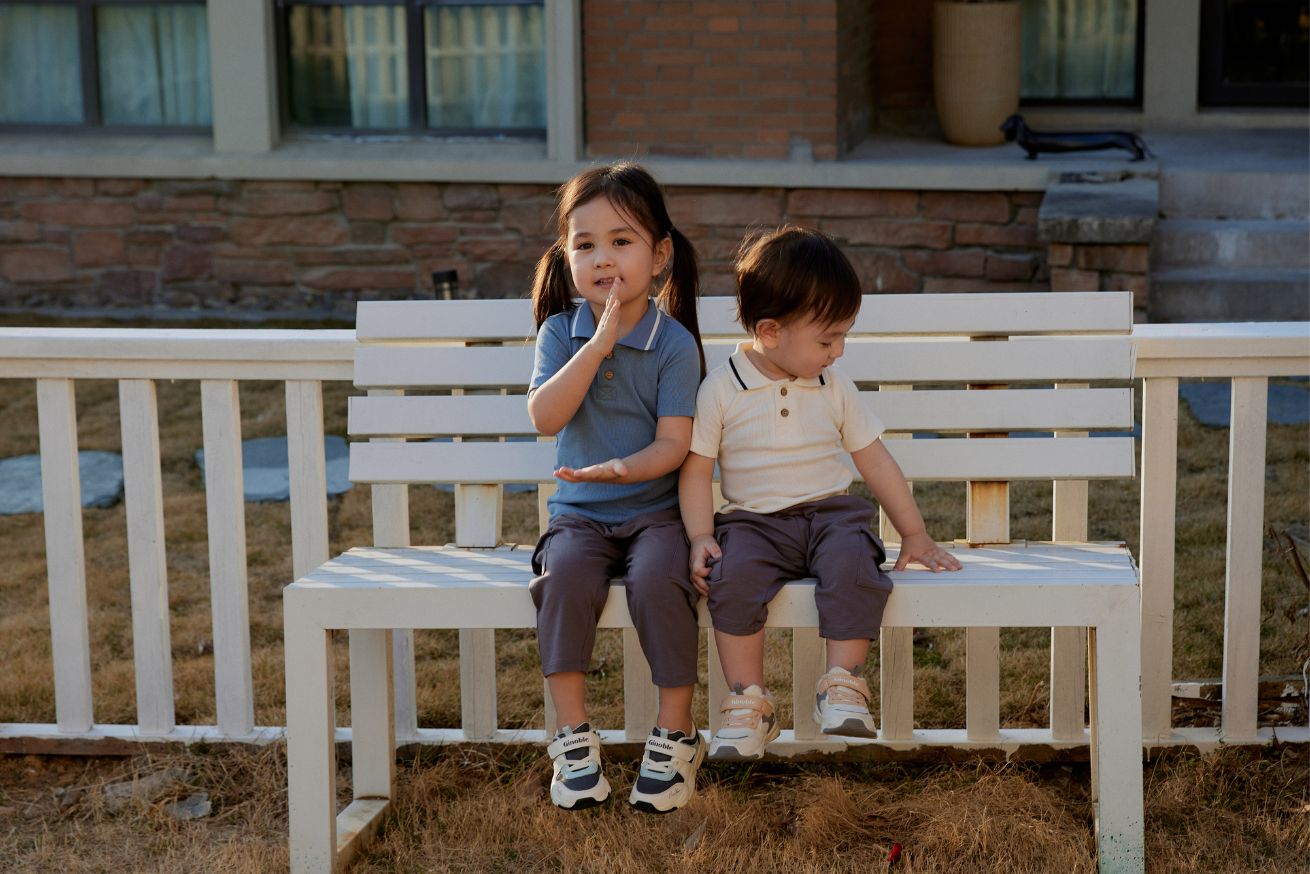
[582, 246]
[621, 242]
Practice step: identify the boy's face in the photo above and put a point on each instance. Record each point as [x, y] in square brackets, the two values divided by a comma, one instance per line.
[605, 244]
[799, 348]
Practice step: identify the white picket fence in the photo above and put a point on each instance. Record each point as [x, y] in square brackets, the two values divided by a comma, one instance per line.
[1248, 354]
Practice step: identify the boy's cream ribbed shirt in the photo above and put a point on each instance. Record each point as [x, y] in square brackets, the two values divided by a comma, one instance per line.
[779, 442]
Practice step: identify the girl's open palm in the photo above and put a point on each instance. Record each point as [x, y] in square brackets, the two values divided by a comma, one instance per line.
[605, 472]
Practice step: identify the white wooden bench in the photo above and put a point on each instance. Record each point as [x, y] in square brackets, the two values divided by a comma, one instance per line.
[1038, 352]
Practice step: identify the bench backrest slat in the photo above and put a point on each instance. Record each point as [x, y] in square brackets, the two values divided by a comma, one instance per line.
[943, 459]
[948, 410]
[865, 361]
[966, 315]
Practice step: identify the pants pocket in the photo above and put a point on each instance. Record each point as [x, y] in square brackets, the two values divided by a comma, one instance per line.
[871, 574]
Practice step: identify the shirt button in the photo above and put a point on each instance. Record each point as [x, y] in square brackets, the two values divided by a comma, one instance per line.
[609, 374]
[609, 356]
[784, 413]
[784, 391]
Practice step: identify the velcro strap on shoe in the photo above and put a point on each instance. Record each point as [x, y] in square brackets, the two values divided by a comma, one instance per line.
[562, 745]
[746, 702]
[673, 748]
[855, 684]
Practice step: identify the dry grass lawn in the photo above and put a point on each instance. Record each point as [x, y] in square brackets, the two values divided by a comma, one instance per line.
[480, 810]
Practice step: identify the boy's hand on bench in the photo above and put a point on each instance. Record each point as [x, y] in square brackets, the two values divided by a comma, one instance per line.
[705, 553]
[605, 472]
[923, 549]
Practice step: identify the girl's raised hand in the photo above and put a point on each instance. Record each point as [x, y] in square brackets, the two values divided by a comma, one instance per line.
[606, 472]
[923, 549]
[607, 328]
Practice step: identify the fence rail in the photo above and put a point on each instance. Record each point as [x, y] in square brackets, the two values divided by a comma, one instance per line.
[1247, 354]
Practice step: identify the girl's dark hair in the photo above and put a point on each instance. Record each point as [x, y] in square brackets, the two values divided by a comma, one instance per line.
[792, 272]
[632, 191]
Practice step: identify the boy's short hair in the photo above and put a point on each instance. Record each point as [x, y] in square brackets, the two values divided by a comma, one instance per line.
[793, 272]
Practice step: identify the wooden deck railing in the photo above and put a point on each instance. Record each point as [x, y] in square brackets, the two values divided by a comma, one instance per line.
[1248, 354]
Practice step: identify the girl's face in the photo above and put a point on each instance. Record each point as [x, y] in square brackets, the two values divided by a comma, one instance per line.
[605, 245]
[799, 348]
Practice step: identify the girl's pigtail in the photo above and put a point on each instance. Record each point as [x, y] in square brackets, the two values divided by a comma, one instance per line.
[551, 284]
[682, 289]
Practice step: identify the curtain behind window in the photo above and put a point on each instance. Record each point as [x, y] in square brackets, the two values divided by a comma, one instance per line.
[1080, 49]
[154, 64]
[486, 67]
[40, 72]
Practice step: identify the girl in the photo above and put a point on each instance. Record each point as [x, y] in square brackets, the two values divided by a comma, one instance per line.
[615, 379]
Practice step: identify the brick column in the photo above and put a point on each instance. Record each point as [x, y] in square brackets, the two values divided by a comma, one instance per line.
[766, 80]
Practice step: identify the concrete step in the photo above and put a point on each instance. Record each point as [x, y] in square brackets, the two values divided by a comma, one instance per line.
[1234, 194]
[1231, 243]
[1232, 294]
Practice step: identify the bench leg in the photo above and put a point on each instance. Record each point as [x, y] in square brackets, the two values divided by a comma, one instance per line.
[311, 751]
[372, 720]
[1120, 815]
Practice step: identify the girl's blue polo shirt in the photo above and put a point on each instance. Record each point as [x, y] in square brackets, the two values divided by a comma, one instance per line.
[654, 371]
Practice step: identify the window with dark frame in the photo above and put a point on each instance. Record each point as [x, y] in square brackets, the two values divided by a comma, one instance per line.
[127, 65]
[446, 67]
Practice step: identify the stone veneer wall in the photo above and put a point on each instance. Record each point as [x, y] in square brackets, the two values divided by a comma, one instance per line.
[311, 249]
[1102, 267]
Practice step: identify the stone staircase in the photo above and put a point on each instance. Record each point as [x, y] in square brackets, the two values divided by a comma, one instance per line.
[1231, 246]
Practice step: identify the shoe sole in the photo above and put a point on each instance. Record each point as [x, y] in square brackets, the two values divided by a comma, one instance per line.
[732, 754]
[849, 728]
[582, 802]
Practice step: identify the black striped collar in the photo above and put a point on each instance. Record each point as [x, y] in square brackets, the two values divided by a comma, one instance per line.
[747, 376]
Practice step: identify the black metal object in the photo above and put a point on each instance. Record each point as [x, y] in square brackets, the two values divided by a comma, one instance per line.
[445, 284]
[1034, 142]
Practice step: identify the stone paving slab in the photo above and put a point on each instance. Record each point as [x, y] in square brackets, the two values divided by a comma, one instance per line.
[265, 476]
[101, 475]
[1211, 402]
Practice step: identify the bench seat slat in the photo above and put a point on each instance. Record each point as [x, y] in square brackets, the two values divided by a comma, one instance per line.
[1033, 359]
[1036, 585]
[948, 460]
[1001, 410]
[883, 314]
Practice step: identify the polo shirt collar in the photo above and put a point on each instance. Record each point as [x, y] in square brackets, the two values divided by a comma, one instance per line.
[747, 376]
[642, 336]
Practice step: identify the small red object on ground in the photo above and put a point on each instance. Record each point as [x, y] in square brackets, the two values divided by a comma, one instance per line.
[894, 854]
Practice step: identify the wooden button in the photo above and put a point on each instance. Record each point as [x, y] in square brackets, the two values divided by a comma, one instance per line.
[785, 413]
[784, 391]
[609, 374]
[609, 355]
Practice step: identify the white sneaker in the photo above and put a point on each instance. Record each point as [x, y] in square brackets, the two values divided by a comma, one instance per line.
[749, 724]
[841, 704]
[667, 779]
[577, 781]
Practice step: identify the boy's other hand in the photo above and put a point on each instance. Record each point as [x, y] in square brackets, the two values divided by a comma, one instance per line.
[705, 552]
[606, 472]
[923, 549]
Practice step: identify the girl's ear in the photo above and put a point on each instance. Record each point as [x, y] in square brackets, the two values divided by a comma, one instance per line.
[766, 331]
[663, 255]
